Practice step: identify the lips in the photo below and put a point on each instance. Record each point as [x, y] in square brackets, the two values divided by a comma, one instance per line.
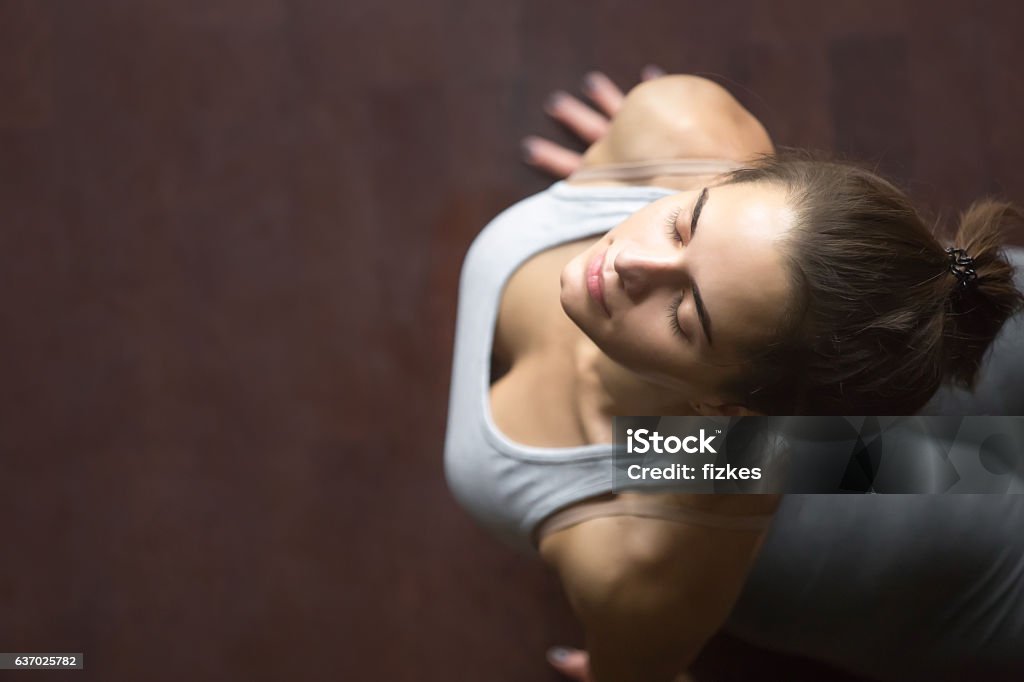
[595, 281]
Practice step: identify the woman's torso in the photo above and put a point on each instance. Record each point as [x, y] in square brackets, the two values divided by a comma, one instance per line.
[506, 482]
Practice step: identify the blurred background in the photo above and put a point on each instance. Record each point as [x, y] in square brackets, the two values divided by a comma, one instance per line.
[230, 241]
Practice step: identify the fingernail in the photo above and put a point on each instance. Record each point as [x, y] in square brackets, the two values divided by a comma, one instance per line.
[591, 81]
[652, 71]
[557, 654]
[553, 100]
[527, 148]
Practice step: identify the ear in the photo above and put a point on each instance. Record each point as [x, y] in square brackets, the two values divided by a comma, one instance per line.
[725, 410]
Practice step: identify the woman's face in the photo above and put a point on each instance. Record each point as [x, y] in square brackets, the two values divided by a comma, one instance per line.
[675, 289]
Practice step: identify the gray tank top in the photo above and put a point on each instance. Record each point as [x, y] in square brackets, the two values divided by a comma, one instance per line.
[890, 586]
[508, 487]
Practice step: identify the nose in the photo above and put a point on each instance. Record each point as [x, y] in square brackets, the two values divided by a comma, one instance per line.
[642, 269]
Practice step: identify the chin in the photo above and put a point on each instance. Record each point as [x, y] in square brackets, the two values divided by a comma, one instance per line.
[571, 308]
[571, 292]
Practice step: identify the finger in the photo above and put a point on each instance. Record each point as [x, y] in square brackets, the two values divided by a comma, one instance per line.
[574, 663]
[550, 157]
[580, 118]
[603, 92]
[652, 71]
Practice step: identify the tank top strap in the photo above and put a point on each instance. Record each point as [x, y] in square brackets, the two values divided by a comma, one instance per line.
[638, 506]
[635, 170]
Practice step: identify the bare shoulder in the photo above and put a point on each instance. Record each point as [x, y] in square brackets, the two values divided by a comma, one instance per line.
[680, 116]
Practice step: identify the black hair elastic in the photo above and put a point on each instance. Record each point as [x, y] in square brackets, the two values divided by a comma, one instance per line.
[961, 265]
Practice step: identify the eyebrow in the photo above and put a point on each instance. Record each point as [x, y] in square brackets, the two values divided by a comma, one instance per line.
[698, 301]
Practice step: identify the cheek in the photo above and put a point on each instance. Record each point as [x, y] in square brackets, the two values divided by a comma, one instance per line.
[638, 342]
[646, 345]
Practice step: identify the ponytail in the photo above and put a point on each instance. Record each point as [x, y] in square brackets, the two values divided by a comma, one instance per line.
[977, 307]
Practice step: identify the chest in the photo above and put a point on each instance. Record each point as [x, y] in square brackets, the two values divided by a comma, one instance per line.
[533, 392]
[530, 318]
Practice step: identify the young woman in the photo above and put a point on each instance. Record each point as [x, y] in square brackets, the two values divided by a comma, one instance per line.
[685, 269]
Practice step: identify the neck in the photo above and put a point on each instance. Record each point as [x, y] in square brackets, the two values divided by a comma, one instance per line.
[606, 389]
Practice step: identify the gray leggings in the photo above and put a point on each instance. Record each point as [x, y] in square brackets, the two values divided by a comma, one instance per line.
[894, 587]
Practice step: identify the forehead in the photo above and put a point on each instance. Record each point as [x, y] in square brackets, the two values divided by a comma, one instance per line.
[736, 259]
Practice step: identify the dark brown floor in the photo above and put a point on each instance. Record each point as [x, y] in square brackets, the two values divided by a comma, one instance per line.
[230, 238]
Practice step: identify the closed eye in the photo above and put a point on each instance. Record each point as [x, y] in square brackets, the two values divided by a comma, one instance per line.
[673, 308]
[672, 231]
[673, 316]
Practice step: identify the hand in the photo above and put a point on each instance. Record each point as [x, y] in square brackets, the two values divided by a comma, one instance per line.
[588, 124]
[575, 664]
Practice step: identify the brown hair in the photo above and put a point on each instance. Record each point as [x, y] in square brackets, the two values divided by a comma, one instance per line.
[878, 321]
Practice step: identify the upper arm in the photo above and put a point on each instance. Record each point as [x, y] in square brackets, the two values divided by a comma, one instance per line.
[651, 592]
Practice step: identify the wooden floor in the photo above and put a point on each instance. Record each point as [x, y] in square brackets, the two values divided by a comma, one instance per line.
[230, 240]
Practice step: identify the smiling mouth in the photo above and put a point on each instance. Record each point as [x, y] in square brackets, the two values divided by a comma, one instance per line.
[595, 281]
